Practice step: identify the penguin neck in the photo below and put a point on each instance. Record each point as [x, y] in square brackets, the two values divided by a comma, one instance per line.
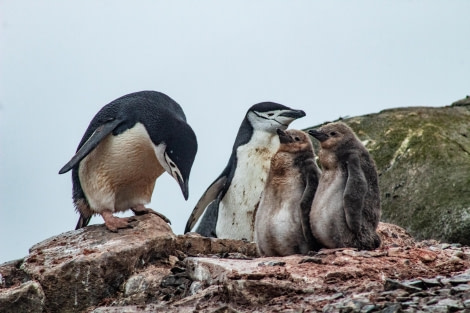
[262, 140]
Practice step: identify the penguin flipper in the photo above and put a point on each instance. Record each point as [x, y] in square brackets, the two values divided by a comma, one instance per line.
[313, 175]
[353, 196]
[208, 222]
[209, 196]
[99, 134]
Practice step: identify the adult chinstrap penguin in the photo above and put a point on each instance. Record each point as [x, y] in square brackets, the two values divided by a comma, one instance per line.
[346, 208]
[231, 200]
[129, 143]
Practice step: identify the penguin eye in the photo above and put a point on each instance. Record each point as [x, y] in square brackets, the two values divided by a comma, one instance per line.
[297, 139]
[270, 114]
[333, 133]
[172, 164]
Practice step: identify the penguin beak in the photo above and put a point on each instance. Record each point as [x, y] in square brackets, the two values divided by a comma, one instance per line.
[283, 136]
[293, 114]
[321, 136]
[184, 187]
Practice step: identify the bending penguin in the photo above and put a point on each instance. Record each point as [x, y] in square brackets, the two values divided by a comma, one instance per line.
[129, 143]
[346, 208]
[282, 225]
[231, 200]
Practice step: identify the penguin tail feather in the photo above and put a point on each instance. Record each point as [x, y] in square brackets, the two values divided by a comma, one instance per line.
[82, 221]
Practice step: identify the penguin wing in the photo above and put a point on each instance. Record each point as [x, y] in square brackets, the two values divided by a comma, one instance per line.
[99, 134]
[209, 196]
[313, 175]
[354, 193]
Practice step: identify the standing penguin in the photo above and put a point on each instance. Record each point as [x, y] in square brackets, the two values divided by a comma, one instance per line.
[129, 143]
[346, 208]
[232, 199]
[282, 224]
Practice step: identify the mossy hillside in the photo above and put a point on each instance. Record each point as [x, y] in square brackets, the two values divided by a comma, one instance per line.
[423, 160]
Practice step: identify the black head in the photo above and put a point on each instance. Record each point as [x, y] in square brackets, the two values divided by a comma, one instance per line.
[176, 154]
[270, 116]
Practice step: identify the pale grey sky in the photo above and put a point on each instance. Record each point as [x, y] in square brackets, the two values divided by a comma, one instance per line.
[61, 61]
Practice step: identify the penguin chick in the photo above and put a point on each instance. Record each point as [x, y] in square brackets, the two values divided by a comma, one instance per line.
[346, 208]
[231, 200]
[129, 143]
[282, 224]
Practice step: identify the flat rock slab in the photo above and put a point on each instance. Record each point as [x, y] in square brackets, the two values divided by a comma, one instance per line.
[91, 263]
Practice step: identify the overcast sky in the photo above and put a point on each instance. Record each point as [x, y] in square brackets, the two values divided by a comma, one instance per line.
[61, 61]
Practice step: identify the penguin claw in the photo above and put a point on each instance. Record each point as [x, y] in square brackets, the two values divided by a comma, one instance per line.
[141, 210]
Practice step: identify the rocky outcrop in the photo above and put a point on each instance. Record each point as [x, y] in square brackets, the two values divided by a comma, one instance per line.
[149, 269]
[86, 267]
[423, 160]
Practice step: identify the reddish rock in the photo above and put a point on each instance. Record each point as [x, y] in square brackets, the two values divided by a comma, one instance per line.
[149, 269]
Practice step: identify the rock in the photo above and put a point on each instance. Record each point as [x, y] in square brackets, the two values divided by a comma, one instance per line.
[451, 304]
[149, 269]
[143, 287]
[392, 308]
[27, 298]
[425, 255]
[272, 263]
[423, 160]
[11, 274]
[460, 279]
[431, 282]
[90, 264]
[466, 303]
[311, 260]
[460, 289]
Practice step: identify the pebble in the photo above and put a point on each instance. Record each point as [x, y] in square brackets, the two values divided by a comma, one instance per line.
[272, 263]
[451, 304]
[418, 283]
[392, 308]
[368, 308]
[460, 279]
[444, 292]
[466, 303]
[195, 287]
[435, 309]
[430, 282]
[315, 260]
[391, 284]
[460, 288]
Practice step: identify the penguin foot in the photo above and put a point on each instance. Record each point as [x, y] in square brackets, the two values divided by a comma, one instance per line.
[141, 210]
[114, 223]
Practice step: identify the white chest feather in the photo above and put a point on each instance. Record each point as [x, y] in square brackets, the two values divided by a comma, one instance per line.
[121, 171]
[236, 219]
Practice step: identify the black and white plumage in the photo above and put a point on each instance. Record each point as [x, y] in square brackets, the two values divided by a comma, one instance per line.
[231, 200]
[129, 143]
